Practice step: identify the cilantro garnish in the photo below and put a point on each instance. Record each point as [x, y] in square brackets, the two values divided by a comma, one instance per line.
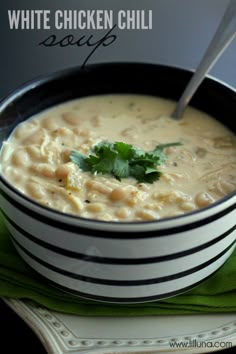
[123, 160]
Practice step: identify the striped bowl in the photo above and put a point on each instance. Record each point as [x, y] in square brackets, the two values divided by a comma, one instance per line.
[113, 261]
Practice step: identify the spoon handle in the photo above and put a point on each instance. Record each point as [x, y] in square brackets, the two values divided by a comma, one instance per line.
[222, 38]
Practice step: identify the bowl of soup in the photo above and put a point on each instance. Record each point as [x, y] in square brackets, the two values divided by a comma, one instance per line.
[107, 196]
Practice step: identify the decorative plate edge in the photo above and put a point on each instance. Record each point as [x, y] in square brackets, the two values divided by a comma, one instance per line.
[58, 339]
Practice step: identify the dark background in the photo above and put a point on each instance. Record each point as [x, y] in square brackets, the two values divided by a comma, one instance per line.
[181, 32]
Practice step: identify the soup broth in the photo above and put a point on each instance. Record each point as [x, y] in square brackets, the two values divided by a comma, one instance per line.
[36, 158]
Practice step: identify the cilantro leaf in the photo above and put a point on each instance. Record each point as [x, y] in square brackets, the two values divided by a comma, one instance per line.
[123, 160]
[125, 151]
[120, 168]
[80, 160]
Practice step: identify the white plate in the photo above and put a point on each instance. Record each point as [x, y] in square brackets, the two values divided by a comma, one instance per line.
[61, 334]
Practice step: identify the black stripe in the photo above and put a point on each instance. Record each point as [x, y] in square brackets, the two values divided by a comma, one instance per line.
[126, 300]
[111, 234]
[123, 282]
[110, 260]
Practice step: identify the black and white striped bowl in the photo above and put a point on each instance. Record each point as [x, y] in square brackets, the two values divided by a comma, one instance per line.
[113, 261]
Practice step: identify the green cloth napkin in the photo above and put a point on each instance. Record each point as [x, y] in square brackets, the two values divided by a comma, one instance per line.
[17, 280]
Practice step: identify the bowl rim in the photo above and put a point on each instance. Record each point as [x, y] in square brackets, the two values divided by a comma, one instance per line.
[60, 74]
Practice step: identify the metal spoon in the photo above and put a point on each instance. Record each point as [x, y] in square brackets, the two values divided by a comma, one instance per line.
[225, 33]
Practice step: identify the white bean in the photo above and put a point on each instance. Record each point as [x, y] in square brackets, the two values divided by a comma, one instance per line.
[35, 138]
[123, 213]
[97, 186]
[25, 129]
[35, 190]
[71, 118]
[43, 170]
[33, 151]
[147, 215]
[50, 123]
[187, 206]
[203, 199]
[96, 207]
[20, 158]
[63, 170]
[118, 194]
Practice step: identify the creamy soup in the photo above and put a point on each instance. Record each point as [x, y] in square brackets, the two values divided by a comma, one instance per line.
[36, 158]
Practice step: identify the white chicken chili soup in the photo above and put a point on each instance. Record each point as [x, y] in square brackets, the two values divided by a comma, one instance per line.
[197, 170]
